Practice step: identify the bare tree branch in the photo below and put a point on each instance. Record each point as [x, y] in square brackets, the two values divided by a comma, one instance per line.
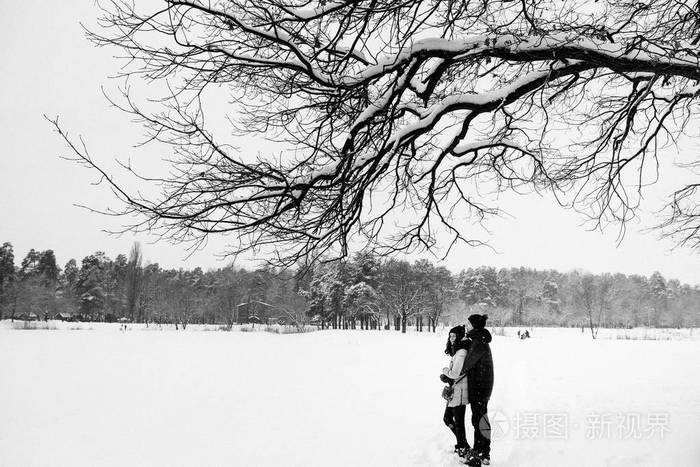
[415, 107]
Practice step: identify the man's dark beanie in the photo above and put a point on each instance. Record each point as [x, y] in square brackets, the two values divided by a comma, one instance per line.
[459, 331]
[478, 321]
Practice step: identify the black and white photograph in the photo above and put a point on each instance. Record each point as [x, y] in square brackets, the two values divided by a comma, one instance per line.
[372, 233]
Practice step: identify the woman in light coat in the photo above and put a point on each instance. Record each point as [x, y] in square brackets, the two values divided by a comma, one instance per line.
[457, 347]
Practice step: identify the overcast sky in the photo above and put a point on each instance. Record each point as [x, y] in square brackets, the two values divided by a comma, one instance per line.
[48, 67]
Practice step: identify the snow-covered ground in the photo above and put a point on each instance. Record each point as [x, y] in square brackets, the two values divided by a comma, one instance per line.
[336, 398]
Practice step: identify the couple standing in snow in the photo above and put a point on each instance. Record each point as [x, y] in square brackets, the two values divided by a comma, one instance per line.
[471, 360]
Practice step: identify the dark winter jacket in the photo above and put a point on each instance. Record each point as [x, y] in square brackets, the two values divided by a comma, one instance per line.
[479, 366]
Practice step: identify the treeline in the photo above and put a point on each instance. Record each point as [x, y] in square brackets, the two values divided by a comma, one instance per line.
[363, 292]
[104, 289]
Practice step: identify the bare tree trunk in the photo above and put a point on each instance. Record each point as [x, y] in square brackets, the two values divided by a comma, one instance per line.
[134, 280]
[590, 321]
[519, 311]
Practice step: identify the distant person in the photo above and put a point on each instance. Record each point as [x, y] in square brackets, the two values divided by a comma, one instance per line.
[457, 347]
[479, 368]
[518, 333]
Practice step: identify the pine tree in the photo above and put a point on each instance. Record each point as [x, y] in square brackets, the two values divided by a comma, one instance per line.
[90, 286]
[659, 298]
[7, 278]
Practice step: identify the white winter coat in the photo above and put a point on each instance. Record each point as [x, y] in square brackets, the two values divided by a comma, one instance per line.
[460, 396]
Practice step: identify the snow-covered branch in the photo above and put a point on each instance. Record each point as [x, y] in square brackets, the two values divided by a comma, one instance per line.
[383, 108]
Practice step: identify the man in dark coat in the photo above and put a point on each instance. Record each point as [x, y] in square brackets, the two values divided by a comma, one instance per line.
[479, 368]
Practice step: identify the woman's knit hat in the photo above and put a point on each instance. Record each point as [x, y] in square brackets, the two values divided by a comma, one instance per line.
[459, 331]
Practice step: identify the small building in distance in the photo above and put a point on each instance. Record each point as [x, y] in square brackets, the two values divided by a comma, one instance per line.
[27, 316]
[64, 316]
[256, 311]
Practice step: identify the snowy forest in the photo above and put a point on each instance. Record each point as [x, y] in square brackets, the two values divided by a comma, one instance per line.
[364, 292]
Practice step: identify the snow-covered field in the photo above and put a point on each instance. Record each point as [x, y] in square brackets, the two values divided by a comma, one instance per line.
[336, 398]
